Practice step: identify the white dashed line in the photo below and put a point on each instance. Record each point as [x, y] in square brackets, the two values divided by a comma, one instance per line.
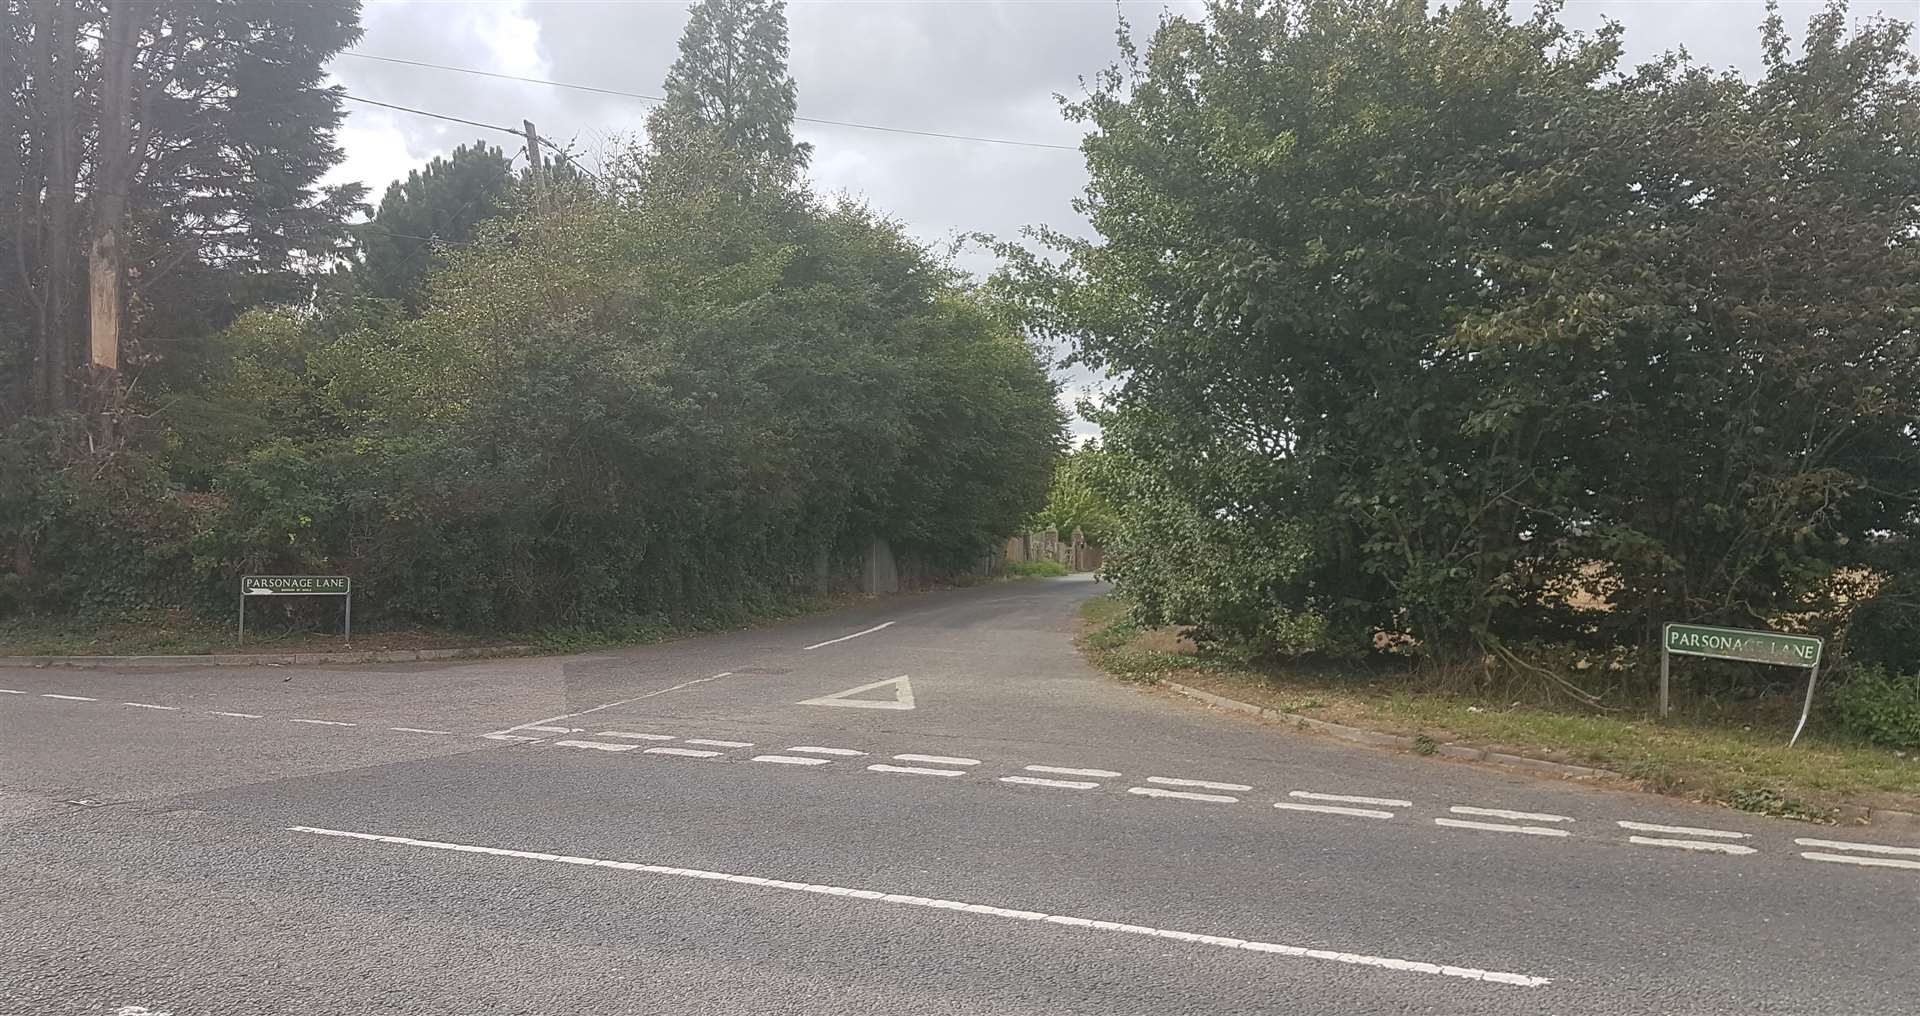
[554, 730]
[720, 744]
[1864, 862]
[1522, 816]
[69, 698]
[634, 736]
[941, 760]
[10, 691]
[817, 750]
[1871, 848]
[1680, 830]
[1699, 845]
[1063, 771]
[595, 745]
[240, 716]
[1334, 809]
[683, 752]
[148, 705]
[1035, 781]
[1209, 784]
[843, 892]
[1182, 795]
[326, 723]
[843, 638]
[792, 760]
[419, 730]
[508, 737]
[916, 770]
[1495, 827]
[1384, 802]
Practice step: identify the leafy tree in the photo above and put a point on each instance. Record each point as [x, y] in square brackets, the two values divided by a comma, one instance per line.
[1075, 498]
[436, 205]
[730, 89]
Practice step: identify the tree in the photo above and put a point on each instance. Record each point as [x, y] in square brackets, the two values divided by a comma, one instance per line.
[1075, 499]
[437, 205]
[730, 88]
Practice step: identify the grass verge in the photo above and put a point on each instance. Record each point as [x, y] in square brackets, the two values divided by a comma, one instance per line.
[1735, 757]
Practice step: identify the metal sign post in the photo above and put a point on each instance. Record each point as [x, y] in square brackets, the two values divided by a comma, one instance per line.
[1770, 647]
[296, 585]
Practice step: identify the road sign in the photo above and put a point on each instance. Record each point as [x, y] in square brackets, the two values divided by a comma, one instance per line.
[1777, 648]
[297, 585]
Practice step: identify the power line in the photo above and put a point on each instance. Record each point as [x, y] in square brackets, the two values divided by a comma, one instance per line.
[557, 150]
[658, 98]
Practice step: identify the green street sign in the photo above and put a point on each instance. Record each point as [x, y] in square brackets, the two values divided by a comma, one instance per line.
[1738, 644]
[296, 585]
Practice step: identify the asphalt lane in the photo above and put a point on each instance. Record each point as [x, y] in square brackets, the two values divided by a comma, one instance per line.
[1020, 783]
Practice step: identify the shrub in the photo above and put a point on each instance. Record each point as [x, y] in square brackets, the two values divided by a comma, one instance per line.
[1036, 569]
[1881, 706]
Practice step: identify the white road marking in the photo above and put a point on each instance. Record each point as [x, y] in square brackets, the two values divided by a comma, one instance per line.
[508, 737]
[1700, 845]
[1035, 781]
[554, 730]
[1871, 848]
[685, 752]
[326, 723]
[843, 638]
[1523, 816]
[595, 745]
[610, 705]
[902, 696]
[1384, 802]
[69, 698]
[241, 716]
[813, 749]
[1209, 784]
[792, 760]
[10, 691]
[1334, 809]
[1865, 862]
[148, 705]
[1495, 827]
[635, 736]
[945, 760]
[419, 730]
[917, 771]
[1681, 830]
[720, 744]
[1182, 795]
[1063, 771]
[843, 892]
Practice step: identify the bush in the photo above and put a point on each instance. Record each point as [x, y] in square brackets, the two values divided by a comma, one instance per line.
[1036, 569]
[1881, 706]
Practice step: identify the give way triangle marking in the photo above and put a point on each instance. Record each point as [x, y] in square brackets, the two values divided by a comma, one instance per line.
[902, 696]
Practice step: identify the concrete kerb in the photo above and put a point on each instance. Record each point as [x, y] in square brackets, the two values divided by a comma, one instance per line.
[262, 659]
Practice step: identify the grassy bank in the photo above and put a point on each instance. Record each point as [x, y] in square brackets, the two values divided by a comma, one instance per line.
[1735, 756]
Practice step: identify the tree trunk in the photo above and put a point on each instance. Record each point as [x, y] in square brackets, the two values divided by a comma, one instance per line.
[114, 166]
[54, 56]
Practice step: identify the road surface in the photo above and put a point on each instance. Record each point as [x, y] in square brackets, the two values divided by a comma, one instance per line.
[927, 804]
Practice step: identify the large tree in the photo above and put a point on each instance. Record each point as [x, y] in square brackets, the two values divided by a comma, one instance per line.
[730, 89]
[434, 207]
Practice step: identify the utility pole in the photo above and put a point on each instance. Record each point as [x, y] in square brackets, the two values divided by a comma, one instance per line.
[535, 166]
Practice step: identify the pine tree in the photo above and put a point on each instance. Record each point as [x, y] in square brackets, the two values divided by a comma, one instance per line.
[730, 89]
[438, 204]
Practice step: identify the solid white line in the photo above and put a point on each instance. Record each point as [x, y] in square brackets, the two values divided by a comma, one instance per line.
[1711, 848]
[1182, 795]
[147, 705]
[843, 892]
[1871, 848]
[1385, 802]
[945, 760]
[419, 730]
[1035, 781]
[792, 760]
[596, 745]
[720, 744]
[817, 750]
[1332, 809]
[1865, 862]
[1682, 830]
[10, 691]
[1524, 816]
[508, 737]
[326, 723]
[1063, 771]
[1209, 784]
[243, 716]
[843, 638]
[554, 730]
[1495, 827]
[634, 736]
[917, 771]
[610, 705]
[69, 698]
[685, 752]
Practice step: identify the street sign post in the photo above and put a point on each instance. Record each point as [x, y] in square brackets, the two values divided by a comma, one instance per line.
[296, 585]
[1771, 647]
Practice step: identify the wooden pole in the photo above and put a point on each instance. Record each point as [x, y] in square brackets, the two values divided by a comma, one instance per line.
[535, 166]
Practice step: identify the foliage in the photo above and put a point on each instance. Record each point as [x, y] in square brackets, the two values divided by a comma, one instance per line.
[436, 206]
[1880, 706]
[1036, 569]
[1074, 499]
[730, 88]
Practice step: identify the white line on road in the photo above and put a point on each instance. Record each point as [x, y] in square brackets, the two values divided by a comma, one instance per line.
[1523, 816]
[843, 892]
[944, 760]
[635, 736]
[720, 744]
[554, 730]
[610, 705]
[1035, 781]
[595, 745]
[1865, 862]
[1209, 784]
[69, 698]
[1063, 771]
[1182, 795]
[419, 730]
[1699, 845]
[508, 737]
[843, 638]
[1681, 830]
[1495, 827]
[1871, 848]
[917, 771]
[148, 705]
[240, 716]
[792, 760]
[683, 752]
[10, 691]
[1334, 809]
[814, 749]
[326, 723]
[1385, 802]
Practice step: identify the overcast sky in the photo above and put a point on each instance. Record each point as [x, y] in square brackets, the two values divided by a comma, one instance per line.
[976, 67]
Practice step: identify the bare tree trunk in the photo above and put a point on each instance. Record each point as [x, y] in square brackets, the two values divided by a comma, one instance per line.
[54, 56]
[114, 167]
